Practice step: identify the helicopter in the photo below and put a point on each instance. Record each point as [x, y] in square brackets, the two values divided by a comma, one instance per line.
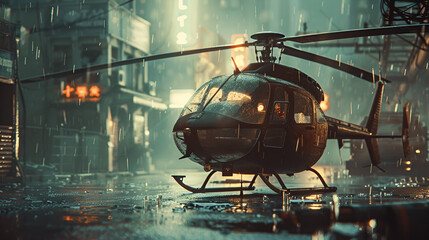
[265, 119]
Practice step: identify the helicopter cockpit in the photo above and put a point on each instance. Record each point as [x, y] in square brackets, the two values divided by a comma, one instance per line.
[232, 101]
[242, 97]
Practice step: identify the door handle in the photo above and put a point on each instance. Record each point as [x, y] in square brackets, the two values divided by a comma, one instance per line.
[310, 127]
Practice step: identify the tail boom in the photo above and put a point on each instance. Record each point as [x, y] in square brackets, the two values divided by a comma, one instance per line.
[343, 130]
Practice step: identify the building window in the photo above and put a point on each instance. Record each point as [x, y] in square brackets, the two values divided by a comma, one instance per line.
[129, 76]
[115, 54]
[90, 53]
[62, 57]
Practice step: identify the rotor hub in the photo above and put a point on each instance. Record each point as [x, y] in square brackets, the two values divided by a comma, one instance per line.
[261, 36]
[268, 40]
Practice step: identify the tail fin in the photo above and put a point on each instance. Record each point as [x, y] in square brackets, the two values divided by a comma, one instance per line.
[406, 129]
[372, 125]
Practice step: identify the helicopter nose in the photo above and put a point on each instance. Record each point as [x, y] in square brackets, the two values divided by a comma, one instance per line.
[214, 136]
[227, 144]
[182, 140]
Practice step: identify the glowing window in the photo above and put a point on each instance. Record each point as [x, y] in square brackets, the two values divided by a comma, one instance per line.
[194, 103]
[198, 96]
[280, 105]
[320, 115]
[238, 97]
[243, 97]
[303, 112]
[218, 96]
[279, 111]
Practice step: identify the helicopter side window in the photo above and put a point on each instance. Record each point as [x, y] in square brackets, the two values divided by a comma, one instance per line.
[217, 98]
[195, 101]
[244, 98]
[279, 111]
[280, 94]
[303, 109]
[320, 115]
[275, 136]
[203, 95]
[280, 105]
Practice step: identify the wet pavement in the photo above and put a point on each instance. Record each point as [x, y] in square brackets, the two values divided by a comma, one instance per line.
[153, 206]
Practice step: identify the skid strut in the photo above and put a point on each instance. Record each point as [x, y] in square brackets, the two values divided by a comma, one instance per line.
[298, 191]
[203, 189]
[265, 179]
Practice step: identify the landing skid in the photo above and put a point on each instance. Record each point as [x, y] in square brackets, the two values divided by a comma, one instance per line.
[203, 189]
[298, 191]
[292, 191]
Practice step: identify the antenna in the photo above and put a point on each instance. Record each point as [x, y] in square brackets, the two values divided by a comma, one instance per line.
[236, 71]
[267, 40]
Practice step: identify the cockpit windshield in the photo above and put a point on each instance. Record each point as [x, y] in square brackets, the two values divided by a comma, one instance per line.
[242, 97]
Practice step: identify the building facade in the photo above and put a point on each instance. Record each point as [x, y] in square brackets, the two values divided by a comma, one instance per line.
[93, 122]
[9, 166]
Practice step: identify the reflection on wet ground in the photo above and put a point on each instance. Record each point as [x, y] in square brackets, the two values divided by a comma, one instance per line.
[155, 207]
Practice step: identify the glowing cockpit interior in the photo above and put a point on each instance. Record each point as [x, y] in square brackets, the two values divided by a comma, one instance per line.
[242, 97]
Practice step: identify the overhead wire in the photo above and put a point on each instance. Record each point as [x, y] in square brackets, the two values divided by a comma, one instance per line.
[416, 11]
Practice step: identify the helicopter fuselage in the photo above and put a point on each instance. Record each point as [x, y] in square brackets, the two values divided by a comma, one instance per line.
[254, 122]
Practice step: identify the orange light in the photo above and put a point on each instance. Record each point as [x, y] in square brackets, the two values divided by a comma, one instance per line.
[408, 169]
[82, 219]
[68, 91]
[372, 223]
[81, 91]
[261, 107]
[324, 105]
[407, 162]
[94, 91]
[239, 55]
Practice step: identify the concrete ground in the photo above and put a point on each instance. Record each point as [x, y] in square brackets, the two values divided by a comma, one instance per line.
[153, 206]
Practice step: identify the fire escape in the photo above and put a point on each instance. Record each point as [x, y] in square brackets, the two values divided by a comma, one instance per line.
[402, 58]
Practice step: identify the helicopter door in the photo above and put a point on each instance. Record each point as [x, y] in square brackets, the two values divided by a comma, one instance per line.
[276, 131]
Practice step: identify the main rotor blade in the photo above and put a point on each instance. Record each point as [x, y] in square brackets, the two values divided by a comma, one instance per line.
[365, 32]
[134, 60]
[360, 73]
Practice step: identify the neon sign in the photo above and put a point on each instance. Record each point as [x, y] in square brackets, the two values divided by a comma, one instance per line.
[81, 92]
[94, 91]
[67, 91]
[181, 37]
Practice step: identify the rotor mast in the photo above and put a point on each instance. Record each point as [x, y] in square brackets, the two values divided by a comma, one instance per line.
[268, 40]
